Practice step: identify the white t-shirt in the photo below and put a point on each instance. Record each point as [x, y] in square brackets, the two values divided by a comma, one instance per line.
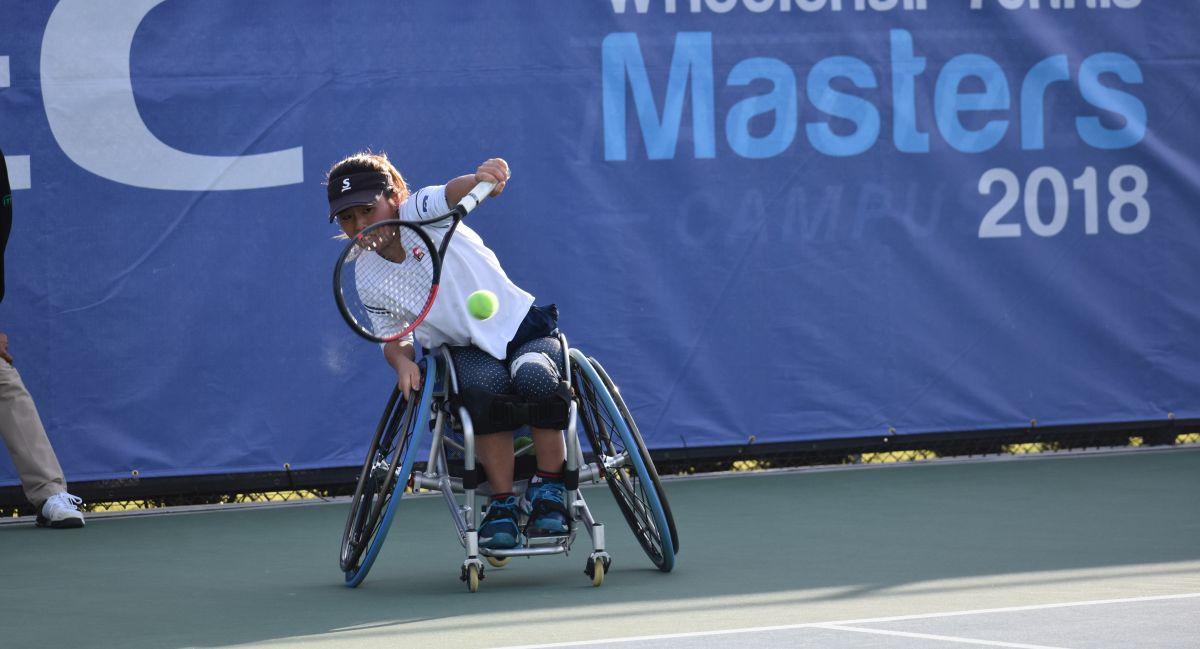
[469, 266]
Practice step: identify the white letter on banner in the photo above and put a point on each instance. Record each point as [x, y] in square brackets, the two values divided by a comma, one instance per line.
[640, 5]
[93, 114]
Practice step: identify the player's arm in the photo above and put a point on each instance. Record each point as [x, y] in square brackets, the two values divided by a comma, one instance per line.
[402, 357]
[492, 170]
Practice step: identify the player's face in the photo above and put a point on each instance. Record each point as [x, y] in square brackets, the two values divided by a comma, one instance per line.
[356, 219]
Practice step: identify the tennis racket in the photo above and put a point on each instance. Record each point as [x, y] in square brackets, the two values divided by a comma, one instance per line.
[387, 278]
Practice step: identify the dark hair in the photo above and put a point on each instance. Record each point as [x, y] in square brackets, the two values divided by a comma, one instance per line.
[369, 161]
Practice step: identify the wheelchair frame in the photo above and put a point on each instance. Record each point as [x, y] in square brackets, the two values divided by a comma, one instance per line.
[649, 517]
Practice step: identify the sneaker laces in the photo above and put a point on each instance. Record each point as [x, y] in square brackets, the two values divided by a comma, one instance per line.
[547, 508]
[64, 499]
[554, 492]
[501, 508]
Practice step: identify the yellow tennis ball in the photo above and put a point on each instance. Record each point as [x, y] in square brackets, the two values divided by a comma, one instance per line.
[521, 442]
[482, 304]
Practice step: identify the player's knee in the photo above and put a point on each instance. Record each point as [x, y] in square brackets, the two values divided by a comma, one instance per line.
[535, 375]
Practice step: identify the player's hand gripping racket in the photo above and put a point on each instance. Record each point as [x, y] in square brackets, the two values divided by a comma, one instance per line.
[387, 278]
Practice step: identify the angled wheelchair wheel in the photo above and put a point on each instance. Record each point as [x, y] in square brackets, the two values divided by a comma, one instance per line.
[627, 467]
[651, 471]
[383, 478]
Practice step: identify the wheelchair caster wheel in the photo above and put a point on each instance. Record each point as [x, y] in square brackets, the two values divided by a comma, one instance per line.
[497, 562]
[597, 565]
[472, 573]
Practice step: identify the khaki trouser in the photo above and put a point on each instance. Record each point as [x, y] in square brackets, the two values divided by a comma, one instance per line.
[21, 428]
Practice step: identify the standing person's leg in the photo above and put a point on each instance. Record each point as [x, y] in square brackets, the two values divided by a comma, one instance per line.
[41, 476]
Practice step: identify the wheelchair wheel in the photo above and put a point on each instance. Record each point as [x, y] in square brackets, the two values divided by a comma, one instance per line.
[637, 438]
[383, 478]
[628, 471]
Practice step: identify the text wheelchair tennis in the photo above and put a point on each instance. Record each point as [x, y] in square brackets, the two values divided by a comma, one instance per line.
[435, 418]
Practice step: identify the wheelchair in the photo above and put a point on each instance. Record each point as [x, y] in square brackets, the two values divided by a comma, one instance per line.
[619, 458]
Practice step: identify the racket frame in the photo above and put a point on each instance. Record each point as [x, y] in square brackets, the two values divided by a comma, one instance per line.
[457, 213]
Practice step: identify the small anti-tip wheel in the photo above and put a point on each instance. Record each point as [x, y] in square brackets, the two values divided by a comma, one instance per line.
[473, 578]
[596, 566]
[497, 562]
[598, 574]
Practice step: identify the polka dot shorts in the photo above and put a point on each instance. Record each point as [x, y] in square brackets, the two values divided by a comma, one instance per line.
[532, 371]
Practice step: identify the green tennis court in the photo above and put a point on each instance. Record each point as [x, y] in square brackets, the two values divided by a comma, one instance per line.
[1101, 543]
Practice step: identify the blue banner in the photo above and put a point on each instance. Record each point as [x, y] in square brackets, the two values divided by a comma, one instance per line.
[787, 219]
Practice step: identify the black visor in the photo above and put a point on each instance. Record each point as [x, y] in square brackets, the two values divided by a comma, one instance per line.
[354, 189]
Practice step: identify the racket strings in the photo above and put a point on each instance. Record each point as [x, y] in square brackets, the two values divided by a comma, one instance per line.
[388, 280]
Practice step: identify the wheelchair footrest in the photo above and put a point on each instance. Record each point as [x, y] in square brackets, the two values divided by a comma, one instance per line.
[542, 541]
[526, 551]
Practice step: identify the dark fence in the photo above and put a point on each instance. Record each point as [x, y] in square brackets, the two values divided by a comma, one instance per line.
[284, 486]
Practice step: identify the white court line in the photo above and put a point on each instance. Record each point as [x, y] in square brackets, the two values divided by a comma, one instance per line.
[897, 618]
[929, 636]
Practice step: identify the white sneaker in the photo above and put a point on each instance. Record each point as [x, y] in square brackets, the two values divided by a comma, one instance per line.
[61, 510]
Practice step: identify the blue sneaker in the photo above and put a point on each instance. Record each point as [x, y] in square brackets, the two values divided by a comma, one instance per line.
[546, 503]
[499, 528]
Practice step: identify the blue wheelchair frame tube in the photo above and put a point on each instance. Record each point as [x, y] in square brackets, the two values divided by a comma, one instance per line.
[633, 450]
[417, 425]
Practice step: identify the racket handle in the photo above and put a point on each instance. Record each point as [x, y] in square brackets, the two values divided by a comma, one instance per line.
[475, 197]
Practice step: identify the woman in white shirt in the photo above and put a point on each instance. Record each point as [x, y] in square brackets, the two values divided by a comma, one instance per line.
[516, 351]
